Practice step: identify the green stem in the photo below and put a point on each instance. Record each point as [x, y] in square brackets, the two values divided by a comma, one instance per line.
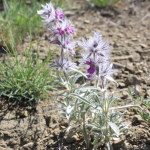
[68, 87]
[106, 112]
[97, 83]
[85, 134]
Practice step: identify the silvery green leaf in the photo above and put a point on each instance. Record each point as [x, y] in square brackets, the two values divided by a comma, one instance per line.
[59, 106]
[62, 103]
[126, 106]
[82, 99]
[92, 125]
[75, 107]
[71, 134]
[82, 107]
[85, 136]
[61, 94]
[90, 88]
[96, 140]
[71, 126]
[83, 85]
[97, 98]
[97, 145]
[114, 127]
[109, 146]
[79, 72]
[98, 108]
[62, 112]
[96, 131]
[68, 111]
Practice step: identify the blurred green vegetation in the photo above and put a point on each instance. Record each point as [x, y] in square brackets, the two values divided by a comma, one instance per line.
[102, 3]
[19, 17]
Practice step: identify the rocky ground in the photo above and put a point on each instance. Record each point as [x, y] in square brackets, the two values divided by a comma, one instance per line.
[127, 26]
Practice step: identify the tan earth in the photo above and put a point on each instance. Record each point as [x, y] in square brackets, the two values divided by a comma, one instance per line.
[127, 26]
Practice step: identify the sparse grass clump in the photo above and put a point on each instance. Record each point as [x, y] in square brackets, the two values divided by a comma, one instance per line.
[25, 80]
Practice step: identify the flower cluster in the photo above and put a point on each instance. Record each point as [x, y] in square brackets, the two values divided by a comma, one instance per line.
[95, 58]
[61, 31]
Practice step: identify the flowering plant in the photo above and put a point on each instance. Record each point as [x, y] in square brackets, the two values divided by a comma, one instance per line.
[87, 106]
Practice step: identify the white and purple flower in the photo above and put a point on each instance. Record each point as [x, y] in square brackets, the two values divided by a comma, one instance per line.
[50, 15]
[96, 46]
[65, 44]
[105, 70]
[64, 64]
[66, 27]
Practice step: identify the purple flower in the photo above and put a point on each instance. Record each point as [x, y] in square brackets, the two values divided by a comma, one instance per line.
[88, 77]
[59, 16]
[91, 70]
[57, 30]
[69, 30]
[89, 63]
[93, 63]
[64, 64]
[61, 32]
[96, 46]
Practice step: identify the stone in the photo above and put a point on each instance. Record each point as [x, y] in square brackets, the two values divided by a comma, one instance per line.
[87, 21]
[129, 80]
[28, 145]
[69, 13]
[125, 94]
[121, 84]
[118, 65]
[143, 45]
[3, 144]
[144, 124]
[107, 14]
[148, 92]
[135, 146]
[130, 68]
[118, 143]
[71, 139]
[24, 113]
[139, 72]
[132, 141]
[132, 80]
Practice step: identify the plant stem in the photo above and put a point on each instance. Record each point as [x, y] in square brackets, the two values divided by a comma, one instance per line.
[85, 134]
[106, 112]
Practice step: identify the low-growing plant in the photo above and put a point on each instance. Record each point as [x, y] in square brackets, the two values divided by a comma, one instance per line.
[25, 79]
[88, 107]
[102, 3]
[144, 114]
